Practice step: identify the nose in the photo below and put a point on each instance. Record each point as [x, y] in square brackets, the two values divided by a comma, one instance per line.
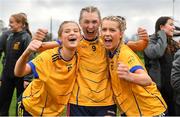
[72, 33]
[107, 32]
[90, 25]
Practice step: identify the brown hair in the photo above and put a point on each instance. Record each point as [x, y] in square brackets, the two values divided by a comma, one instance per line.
[89, 9]
[62, 24]
[22, 18]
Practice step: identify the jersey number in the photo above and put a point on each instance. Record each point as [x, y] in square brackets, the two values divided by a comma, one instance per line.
[94, 48]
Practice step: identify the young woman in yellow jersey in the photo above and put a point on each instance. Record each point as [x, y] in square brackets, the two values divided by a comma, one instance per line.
[134, 90]
[54, 71]
[92, 93]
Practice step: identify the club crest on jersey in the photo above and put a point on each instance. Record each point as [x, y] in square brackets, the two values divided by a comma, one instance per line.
[16, 46]
[69, 67]
[131, 60]
[112, 65]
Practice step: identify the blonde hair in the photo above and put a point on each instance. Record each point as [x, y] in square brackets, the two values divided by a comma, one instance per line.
[121, 23]
[89, 9]
[62, 24]
[119, 19]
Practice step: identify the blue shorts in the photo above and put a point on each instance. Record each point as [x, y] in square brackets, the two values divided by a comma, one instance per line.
[76, 110]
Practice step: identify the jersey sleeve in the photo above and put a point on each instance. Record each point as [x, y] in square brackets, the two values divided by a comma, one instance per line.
[129, 58]
[39, 66]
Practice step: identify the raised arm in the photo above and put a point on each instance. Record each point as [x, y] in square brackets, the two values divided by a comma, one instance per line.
[40, 35]
[21, 67]
[48, 45]
[141, 43]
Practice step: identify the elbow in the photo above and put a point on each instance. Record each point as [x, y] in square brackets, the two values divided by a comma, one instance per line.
[147, 83]
[18, 73]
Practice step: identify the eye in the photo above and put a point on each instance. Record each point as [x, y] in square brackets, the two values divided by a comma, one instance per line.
[103, 29]
[94, 21]
[112, 30]
[66, 31]
[76, 30]
[86, 22]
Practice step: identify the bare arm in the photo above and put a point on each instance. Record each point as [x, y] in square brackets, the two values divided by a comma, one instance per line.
[40, 35]
[139, 77]
[21, 67]
[141, 43]
[48, 45]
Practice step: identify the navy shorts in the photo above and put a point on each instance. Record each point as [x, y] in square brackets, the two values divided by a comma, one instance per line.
[76, 110]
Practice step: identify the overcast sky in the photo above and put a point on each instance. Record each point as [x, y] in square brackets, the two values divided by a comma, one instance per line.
[138, 13]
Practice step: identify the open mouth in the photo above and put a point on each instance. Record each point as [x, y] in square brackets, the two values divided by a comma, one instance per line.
[90, 32]
[108, 40]
[72, 39]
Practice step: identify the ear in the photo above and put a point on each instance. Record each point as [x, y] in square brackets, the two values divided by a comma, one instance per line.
[121, 34]
[161, 27]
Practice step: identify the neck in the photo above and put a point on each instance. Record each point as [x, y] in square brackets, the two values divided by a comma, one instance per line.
[67, 54]
[90, 39]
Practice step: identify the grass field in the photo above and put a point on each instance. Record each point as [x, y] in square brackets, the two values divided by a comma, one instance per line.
[12, 110]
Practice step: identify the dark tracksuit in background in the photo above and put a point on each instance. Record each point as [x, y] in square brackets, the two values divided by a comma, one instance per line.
[16, 43]
[175, 81]
[3, 39]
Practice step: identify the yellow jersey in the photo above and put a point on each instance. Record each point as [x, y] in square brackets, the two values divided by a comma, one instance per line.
[134, 99]
[54, 79]
[93, 87]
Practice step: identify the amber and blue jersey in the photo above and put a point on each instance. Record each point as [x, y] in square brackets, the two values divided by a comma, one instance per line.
[134, 99]
[93, 87]
[54, 79]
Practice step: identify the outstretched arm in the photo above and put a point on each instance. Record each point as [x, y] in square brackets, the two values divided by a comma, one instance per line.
[48, 45]
[40, 35]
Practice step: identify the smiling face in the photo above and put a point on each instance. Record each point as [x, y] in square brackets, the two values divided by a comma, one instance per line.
[111, 34]
[168, 27]
[89, 23]
[70, 35]
[14, 25]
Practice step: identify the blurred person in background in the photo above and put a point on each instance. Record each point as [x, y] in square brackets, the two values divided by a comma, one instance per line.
[15, 42]
[159, 53]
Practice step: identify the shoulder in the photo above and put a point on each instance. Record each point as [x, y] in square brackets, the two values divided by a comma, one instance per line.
[124, 49]
[50, 53]
[25, 35]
